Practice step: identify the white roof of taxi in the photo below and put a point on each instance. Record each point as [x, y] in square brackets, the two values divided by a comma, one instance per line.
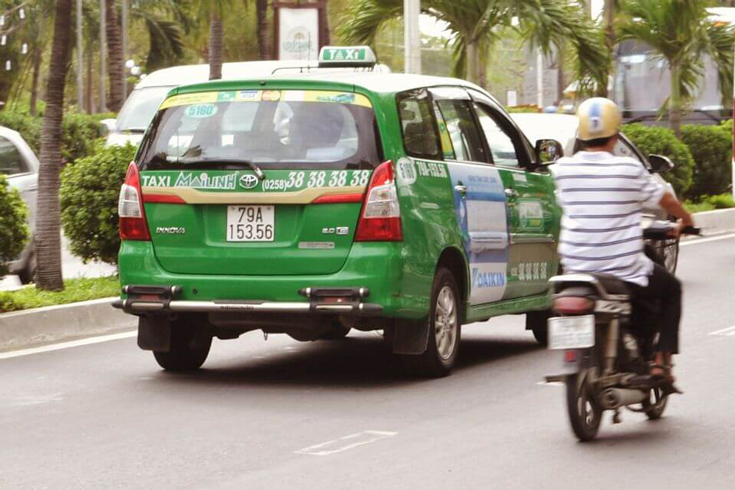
[194, 74]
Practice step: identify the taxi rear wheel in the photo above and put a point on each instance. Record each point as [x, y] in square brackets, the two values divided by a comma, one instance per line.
[445, 329]
[337, 332]
[190, 346]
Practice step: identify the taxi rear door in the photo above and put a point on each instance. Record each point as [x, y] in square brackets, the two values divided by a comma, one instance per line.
[533, 215]
[479, 196]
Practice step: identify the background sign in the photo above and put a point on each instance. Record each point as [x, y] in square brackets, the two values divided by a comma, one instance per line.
[298, 33]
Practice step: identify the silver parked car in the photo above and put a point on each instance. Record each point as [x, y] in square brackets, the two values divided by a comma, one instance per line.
[20, 165]
[563, 128]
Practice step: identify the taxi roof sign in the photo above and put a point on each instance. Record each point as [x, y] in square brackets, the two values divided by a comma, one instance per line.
[347, 56]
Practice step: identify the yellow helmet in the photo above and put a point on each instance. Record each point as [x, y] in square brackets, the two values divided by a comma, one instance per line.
[598, 118]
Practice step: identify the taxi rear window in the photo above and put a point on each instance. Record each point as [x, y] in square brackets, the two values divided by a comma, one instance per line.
[271, 128]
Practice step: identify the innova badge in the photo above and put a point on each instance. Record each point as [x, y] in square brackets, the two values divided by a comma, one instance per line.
[248, 181]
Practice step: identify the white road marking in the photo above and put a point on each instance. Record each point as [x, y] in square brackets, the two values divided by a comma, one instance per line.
[345, 443]
[67, 345]
[706, 240]
[727, 332]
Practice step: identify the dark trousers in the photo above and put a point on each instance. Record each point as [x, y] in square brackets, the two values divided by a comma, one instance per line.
[657, 308]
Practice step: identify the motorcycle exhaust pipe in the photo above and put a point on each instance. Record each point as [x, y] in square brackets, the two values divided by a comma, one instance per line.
[619, 397]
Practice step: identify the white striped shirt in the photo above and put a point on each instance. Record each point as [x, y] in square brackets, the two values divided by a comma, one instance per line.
[603, 197]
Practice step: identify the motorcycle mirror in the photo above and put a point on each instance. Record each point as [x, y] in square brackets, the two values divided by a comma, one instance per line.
[660, 164]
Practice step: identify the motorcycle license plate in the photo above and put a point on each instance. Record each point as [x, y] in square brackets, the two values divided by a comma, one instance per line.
[571, 332]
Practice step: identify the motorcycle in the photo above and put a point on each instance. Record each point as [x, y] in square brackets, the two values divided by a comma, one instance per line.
[606, 358]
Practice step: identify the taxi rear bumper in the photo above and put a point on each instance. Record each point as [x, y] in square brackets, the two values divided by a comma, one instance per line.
[145, 299]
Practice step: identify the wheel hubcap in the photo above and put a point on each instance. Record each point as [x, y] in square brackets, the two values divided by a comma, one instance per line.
[445, 322]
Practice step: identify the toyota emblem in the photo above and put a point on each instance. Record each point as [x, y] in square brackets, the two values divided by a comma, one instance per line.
[248, 181]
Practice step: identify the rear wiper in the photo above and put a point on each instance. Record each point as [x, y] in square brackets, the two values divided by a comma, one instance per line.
[225, 163]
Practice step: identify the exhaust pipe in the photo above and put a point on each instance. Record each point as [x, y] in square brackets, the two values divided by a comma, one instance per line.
[618, 397]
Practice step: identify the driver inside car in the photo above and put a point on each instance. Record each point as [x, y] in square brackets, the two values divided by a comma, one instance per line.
[603, 197]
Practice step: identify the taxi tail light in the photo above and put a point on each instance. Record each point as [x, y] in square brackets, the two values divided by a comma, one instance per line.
[380, 217]
[133, 225]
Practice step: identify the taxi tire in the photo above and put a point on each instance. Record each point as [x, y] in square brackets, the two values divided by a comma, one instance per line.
[431, 364]
[537, 322]
[190, 346]
[338, 332]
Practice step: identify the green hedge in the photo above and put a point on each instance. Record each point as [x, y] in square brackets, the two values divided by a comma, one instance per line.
[28, 126]
[80, 132]
[89, 195]
[711, 147]
[653, 140]
[13, 227]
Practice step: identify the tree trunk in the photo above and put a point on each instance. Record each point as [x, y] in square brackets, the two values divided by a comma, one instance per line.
[263, 29]
[48, 221]
[609, 16]
[115, 62]
[216, 42]
[675, 100]
[90, 82]
[482, 67]
[324, 35]
[473, 61]
[37, 58]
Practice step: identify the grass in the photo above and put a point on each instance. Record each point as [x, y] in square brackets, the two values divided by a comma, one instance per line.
[75, 290]
[710, 203]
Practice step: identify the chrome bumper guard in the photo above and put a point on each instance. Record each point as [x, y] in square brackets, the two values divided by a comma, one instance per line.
[161, 299]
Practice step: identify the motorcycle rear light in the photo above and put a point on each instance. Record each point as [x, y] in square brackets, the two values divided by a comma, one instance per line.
[133, 225]
[380, 218]
[571, 305]
[570, 356]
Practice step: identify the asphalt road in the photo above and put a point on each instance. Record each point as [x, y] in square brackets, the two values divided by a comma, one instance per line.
[283, 414]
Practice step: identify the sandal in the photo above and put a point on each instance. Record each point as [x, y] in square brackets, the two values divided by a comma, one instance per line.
[663, 372]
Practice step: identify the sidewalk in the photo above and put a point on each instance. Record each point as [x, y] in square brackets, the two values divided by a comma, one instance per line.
[71, 267]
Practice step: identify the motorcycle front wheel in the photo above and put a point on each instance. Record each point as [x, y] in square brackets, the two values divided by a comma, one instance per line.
[585, 413]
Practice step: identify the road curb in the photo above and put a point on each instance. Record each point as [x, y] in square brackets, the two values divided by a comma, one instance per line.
[715, 222]
[41, 326]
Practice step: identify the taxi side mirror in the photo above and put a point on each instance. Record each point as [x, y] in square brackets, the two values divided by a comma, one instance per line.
[548, 151]
[660, 164]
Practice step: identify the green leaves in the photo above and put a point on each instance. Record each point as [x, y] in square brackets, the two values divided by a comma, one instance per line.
[13, 229]
[682, 33]
[544, 23]
[89, 195]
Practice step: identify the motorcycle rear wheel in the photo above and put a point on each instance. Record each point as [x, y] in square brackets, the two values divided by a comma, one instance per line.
[655, 405]
[585, 414]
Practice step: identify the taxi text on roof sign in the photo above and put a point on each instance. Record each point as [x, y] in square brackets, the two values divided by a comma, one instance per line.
[356, 56]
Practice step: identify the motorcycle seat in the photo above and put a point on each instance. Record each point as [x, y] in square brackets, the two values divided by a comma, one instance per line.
[611, 284]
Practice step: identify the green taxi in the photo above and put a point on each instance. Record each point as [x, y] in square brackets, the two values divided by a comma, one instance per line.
[317, 203]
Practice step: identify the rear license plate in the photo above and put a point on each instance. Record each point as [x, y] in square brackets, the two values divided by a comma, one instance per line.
[250, 223]
[572, 332]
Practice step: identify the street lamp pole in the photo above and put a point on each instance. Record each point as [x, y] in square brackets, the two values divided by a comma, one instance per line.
[412, 36]
[80, 59]
[103, 58]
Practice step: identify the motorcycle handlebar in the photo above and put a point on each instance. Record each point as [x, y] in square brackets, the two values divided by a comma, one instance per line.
[660, 230]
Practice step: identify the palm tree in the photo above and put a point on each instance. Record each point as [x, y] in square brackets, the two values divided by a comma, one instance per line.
[476, 24]
[681, 33]
[215, 10]
[48, 224]
[115, 61]
[261, 13]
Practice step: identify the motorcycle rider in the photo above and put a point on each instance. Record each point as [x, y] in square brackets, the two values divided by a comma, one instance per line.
[603, 197]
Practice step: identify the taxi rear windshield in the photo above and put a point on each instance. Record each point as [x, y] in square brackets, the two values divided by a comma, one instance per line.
[268, 128]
